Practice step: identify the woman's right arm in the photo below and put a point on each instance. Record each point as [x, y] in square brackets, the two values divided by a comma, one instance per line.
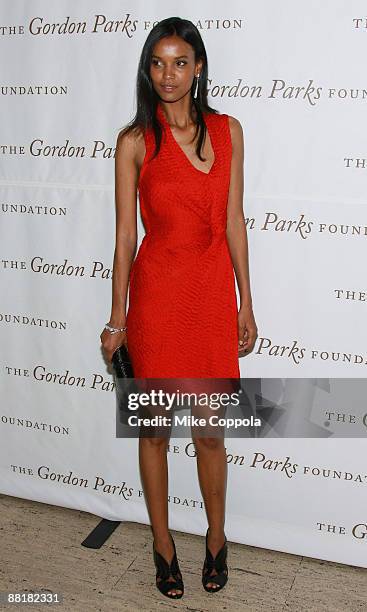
[127, 157]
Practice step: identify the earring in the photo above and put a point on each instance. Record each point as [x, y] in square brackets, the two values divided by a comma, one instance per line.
[196, 85]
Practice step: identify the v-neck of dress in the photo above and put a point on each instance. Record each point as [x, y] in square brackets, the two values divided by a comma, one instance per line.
[169, 131]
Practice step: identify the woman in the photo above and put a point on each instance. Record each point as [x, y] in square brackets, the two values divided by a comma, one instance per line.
[186, 160]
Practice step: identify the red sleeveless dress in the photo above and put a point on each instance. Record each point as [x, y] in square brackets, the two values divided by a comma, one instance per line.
[182, 313]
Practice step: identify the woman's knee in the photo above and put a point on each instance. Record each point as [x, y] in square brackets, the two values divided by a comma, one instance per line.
[160, 442]
[206, 443]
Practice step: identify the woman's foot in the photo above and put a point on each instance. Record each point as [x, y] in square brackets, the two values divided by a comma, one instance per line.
[215, 563]
[168, 570]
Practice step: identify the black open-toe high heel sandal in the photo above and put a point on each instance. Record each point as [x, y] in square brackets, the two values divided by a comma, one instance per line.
[164, 571]
[219, 563]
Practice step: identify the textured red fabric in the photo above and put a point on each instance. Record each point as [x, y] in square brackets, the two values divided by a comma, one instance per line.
[182, 314]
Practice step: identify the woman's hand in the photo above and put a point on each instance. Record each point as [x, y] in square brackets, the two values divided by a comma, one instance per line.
[247, 330]
[110, 342]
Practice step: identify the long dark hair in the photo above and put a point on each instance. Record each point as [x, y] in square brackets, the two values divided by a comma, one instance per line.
[147, 98]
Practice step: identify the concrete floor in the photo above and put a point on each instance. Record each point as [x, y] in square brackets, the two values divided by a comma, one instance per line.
[40, 549]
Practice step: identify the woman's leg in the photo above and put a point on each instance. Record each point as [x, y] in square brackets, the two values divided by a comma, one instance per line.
[154, 477]
[212, 473]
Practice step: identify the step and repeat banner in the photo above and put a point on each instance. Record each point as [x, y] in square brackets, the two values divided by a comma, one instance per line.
[292, 73]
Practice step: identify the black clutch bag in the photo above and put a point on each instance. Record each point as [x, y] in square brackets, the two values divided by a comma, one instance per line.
[122, 363]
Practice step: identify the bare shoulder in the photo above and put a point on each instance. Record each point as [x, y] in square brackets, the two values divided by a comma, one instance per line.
[235, 127]
[130, 145]
[129, 139]
[237, 137]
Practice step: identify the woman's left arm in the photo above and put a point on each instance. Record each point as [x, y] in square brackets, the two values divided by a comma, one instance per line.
[237, 240]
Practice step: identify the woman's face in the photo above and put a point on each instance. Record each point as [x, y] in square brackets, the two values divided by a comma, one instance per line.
[173, 68]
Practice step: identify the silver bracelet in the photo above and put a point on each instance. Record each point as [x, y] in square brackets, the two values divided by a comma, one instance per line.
[114, 330]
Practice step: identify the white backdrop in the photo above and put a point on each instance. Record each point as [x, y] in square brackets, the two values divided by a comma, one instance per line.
[291, 72]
